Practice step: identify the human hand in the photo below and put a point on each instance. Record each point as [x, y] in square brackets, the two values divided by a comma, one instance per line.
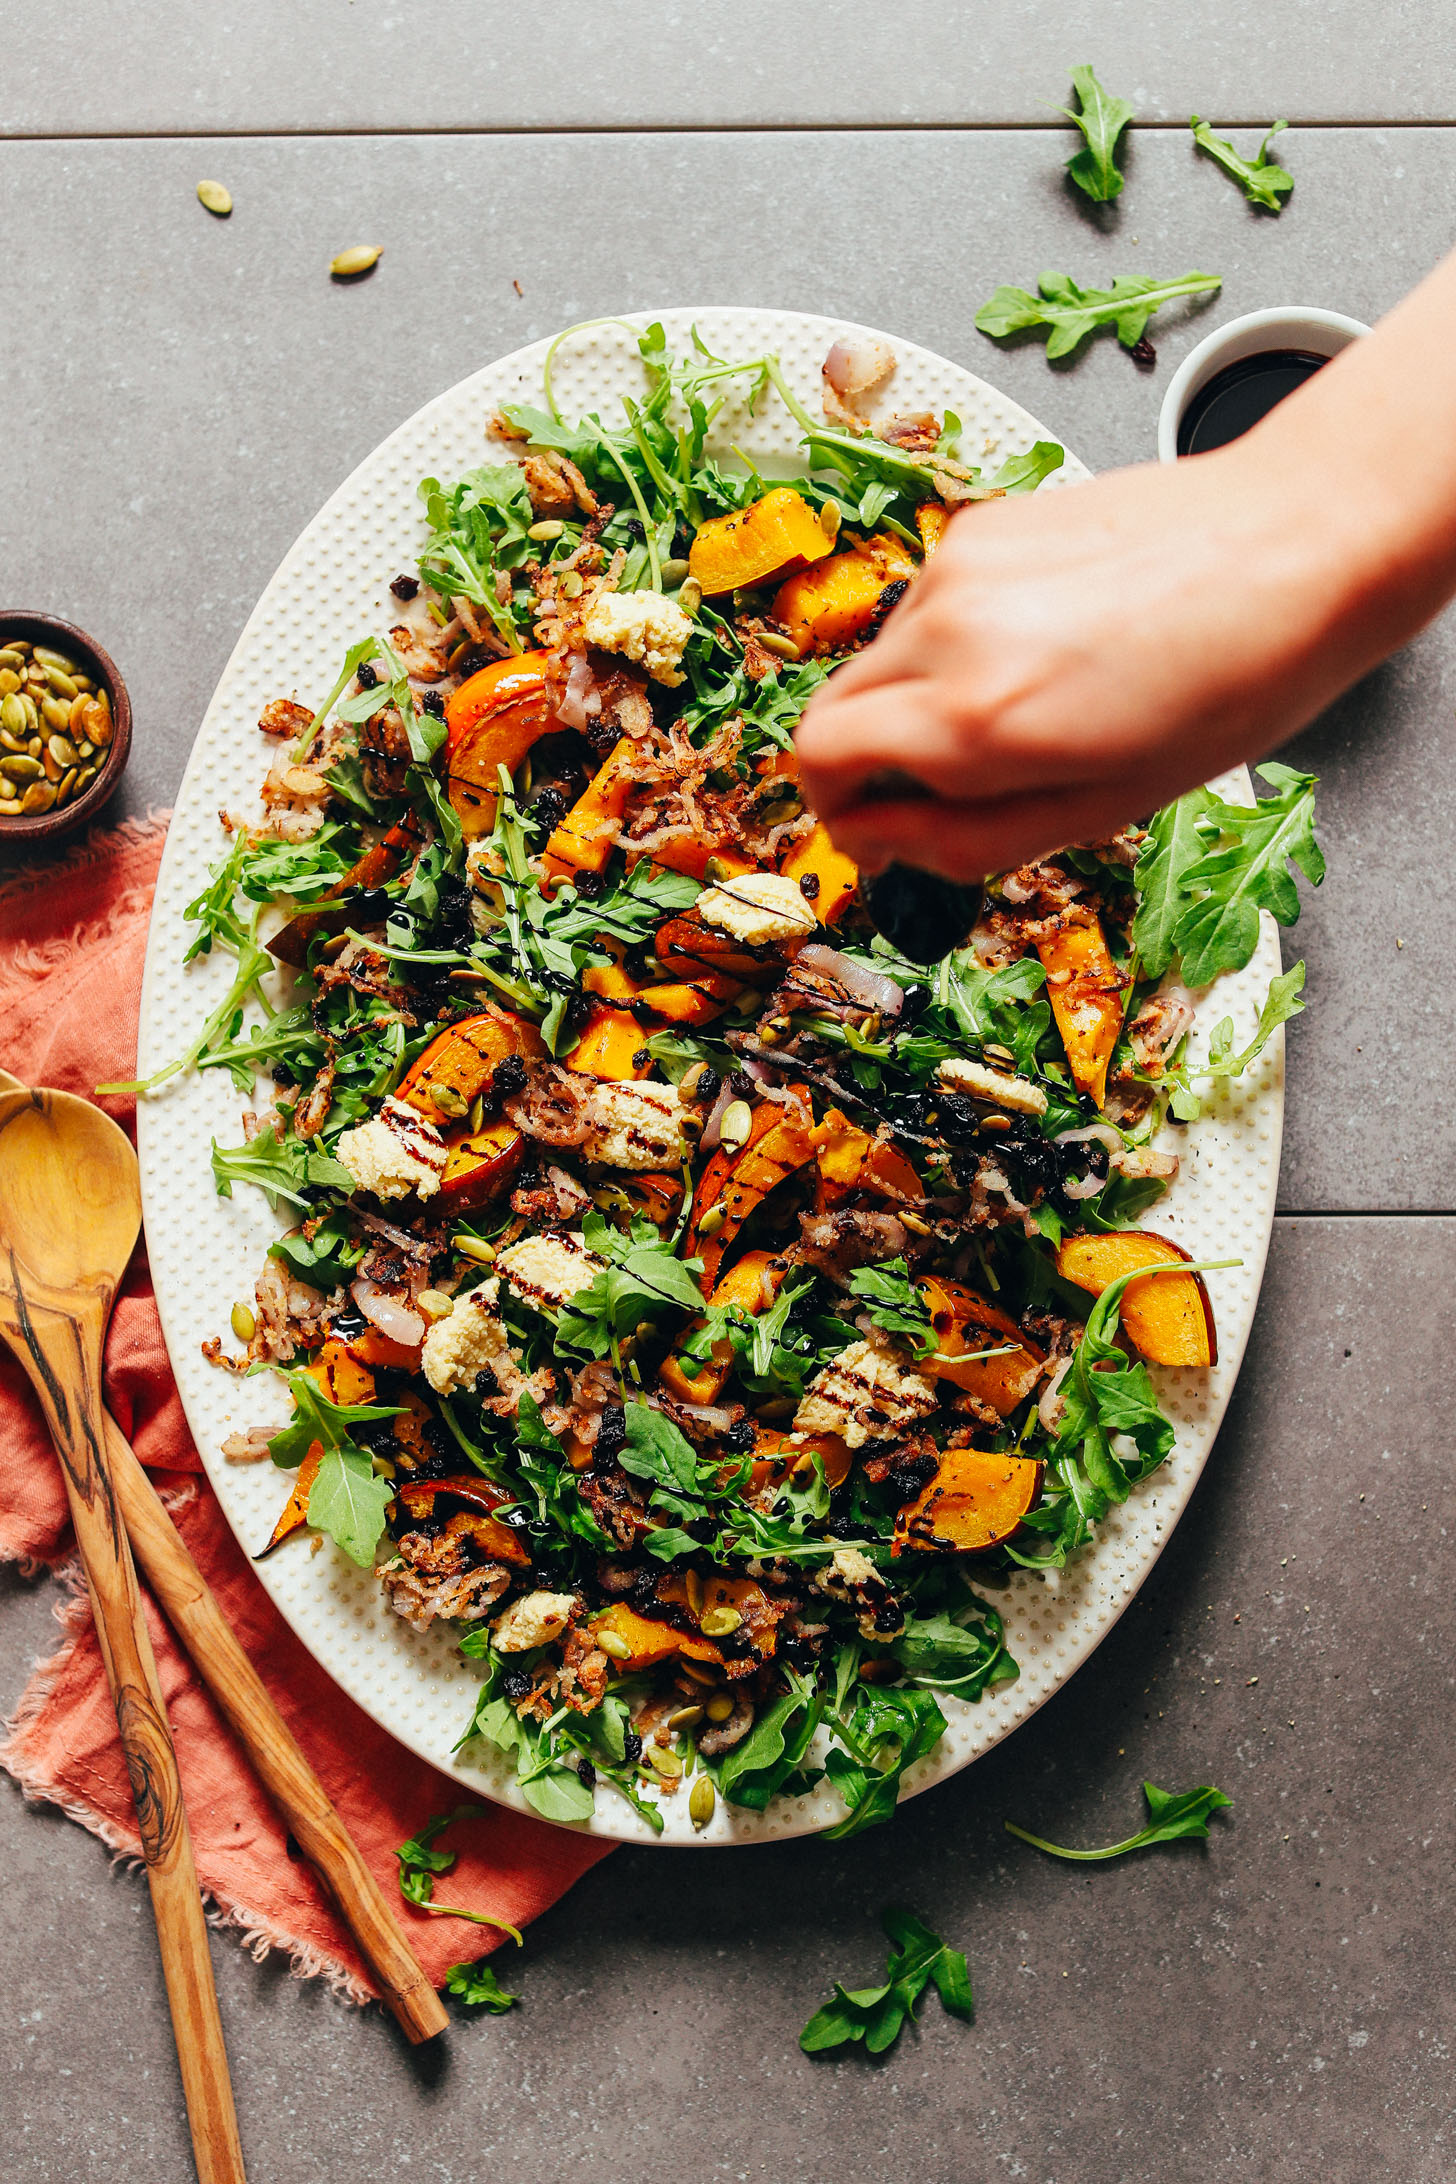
[1073, 659]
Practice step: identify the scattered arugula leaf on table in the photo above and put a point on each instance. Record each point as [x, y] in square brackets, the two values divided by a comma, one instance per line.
[346, 1499]
[876, 2015]
[420, 1865]
[478, 1988]
[1173, 1817]
[1101, 119]
[1262, 181]
[1068, 313]
[1246, 869]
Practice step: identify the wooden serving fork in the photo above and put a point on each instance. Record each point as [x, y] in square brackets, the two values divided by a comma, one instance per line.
[70, 1209]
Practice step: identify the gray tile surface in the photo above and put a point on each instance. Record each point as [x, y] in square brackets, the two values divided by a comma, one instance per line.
[1268, 2007]
[201, 388]
[477, 64]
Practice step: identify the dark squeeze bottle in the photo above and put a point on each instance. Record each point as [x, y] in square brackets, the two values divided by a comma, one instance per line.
[920, 914]
[1236, 398]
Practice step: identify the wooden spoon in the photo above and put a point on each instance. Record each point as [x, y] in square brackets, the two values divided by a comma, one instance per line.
[69, 1214]
[247, 1706]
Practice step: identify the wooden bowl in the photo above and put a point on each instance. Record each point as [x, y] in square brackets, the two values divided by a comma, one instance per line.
[58, 636]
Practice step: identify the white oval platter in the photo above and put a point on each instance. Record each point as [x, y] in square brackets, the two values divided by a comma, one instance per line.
[205, 1251]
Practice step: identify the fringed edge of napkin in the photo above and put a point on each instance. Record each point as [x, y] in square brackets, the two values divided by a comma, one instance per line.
[260, 1936]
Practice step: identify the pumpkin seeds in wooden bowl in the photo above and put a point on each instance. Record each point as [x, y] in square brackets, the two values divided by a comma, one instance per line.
[65, 726]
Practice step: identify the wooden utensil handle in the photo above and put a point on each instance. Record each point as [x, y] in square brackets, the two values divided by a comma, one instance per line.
[244, 1701]
[62, 1354]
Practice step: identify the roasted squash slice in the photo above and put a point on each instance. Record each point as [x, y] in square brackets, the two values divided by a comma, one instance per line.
[836, 875]
[471, 1503]
[583, 842]
[976, 1500]
[1168, 1319]
[334, 912]
[481, 1165]
[612, 1046]
[752, 1285]
[460, 1064]
[931, 518]
[492, 720]
[649, 1640]
[849, 1159]
[293, 1516]
[830, 605]
[779, 1145]
[754, 544]
[1086, 992]
[964, 1322]
[775, 1455]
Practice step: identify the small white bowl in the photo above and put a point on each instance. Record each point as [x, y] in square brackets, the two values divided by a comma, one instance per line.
[1292, 326]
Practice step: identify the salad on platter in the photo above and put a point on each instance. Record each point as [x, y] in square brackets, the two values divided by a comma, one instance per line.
[692, 1302]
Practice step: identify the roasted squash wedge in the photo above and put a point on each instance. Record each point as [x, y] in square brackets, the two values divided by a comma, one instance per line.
[613, 1046]
[583, 841]
[829, 606]
[964, 1322]
[334, 912]
[492, 720]
[1168, 1319]
[293, 1516]
[779, 1145]
[976, 1500]
[460, 1064]
[481, 1165]
[1086, 992]
[650, 1640]
[751, 1284]
[754, 544]
[471, 1504]
[837, 876]
[931, 518]
[849, 1159]
[776, 1453]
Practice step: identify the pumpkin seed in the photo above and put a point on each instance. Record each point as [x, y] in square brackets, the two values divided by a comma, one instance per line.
[44, 657]
[548, 528]
[34, 746]
[719, 1707]
[10, 805]
[915, 1224]
[86, 750]
[28, 713]
[38, 797]
[435, 1304]
[719, 1622]
[349, 264]
[449, 1101]
[697, 1673]
[693, 1586]
[75, 719]
[65, 786]
[62, 684]
[690, 598]
[84, 779]
[13, 658]
[217, 200]
[734, 1129]
[21, 766]
[8, 742]
[783, 647]
[244, 1322]
[85, 685]
[712, 1220]
[768, 1035]
[100, 728]
[52, 771]
[613, 1644]
[702, 1802]
[570, 585]
[686, 1717]
[692, 1078]
[716, 870]
[674, 572]
[667, 1764]
[56, 712]
[476, 1119]
[9, 681]
[829, 519]
[475, 1247]
[12, 714]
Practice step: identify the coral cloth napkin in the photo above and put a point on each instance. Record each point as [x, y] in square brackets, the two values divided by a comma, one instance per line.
[72, 938]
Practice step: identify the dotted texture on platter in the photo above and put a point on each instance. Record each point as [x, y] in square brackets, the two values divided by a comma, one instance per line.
[205, 1251]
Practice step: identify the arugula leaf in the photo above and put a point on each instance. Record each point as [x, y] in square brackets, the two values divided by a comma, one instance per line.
[655, 1449]
[999, 1007]
[1246, 872]
[1261, 181]
[643, 1274]
[346, 1500]
[943, 1654]
[895, 1303]
[1068, 313]
[326, 1259]
[1172, 1817]
[1101, 119]
[885, 1734]
[755, 1770]
[478, 1988]
[419, 1868]
[1024, 473]
[1281, 1003]
[1174, 845]
[283, 1168]
[876, 2015]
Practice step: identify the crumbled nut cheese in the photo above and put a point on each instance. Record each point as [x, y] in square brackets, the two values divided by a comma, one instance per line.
[469, 1342]
[1140, 1161]
[636, 1126]
[758, 907]
[641, 625]
[534, 1621]
[865, 1394]
[854, 1566]
[395, 1153]
[547, 1271]
[979, 1083]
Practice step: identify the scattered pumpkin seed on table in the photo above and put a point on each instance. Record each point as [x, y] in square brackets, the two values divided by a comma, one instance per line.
[55, 728]
[217, 200]
[349, 264]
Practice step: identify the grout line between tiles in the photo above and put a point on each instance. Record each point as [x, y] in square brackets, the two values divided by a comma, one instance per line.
[1365, 1213]
[673, 128]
